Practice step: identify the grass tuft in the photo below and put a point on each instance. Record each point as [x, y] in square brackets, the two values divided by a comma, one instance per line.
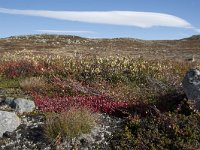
[69, 124]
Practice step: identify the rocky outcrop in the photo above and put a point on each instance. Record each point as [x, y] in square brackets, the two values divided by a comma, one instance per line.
[9, 121]
[191, 85]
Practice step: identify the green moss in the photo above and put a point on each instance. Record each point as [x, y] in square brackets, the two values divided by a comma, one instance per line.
[9, 83]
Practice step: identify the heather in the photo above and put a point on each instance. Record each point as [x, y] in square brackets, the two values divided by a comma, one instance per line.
[147, 94]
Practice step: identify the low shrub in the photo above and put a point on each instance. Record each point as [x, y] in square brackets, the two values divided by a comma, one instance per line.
[168, 131]
[93, 103]
[23, 68]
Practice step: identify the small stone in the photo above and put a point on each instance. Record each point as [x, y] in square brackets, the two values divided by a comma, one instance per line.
[2, 99]
[2, 91]
[8, 134]
[9, 100]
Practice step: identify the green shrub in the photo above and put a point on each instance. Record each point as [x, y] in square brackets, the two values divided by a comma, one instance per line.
[169, 131]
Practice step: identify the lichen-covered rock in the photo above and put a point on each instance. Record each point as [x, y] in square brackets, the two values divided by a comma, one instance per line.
[9, 121]
[23, 105]
[191, 85]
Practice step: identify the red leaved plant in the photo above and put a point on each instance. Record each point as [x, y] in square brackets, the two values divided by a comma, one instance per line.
[93, 103]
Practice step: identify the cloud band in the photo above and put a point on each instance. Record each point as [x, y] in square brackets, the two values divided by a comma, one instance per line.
[124, 18]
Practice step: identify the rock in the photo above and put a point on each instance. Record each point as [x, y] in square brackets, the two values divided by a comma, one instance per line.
[8, 134]
[2, 99]
[19, 105]
[30, 135]
[157, 84]
[9, 100]
[2, 91]
[23, 105]
[191, 85]
[9, 121]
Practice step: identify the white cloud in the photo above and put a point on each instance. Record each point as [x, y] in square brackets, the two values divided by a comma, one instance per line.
[126, 18]
[67, 32]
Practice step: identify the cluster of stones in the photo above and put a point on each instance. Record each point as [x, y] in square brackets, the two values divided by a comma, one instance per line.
[10, 109]
[19, 130]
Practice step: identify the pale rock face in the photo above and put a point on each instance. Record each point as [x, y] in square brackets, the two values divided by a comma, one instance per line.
[9, 121]
[191, 85]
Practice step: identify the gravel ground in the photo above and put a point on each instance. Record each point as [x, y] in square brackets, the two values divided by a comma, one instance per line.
[30, 135]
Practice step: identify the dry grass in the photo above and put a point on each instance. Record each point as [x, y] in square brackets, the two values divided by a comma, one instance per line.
[72, 123]
[33, 83]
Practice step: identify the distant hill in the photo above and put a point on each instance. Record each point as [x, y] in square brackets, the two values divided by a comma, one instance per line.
[194, 37]
[75, 45]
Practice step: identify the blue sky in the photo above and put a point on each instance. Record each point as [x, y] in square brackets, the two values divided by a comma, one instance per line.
[143, 19]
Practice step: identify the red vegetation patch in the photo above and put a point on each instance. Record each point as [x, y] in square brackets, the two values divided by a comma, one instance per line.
[94, 103]
[19, 69]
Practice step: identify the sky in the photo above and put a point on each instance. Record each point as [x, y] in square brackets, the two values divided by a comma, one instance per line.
[142, 19]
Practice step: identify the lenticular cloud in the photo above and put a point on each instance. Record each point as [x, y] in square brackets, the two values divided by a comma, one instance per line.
[125, 18]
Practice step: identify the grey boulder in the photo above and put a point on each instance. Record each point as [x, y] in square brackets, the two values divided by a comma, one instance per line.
[23, 105]
[191, 85]
[9, 121]
[9, 100]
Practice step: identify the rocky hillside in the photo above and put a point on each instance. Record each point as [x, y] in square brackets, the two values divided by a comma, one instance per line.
[182, 49]
[49, 100]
